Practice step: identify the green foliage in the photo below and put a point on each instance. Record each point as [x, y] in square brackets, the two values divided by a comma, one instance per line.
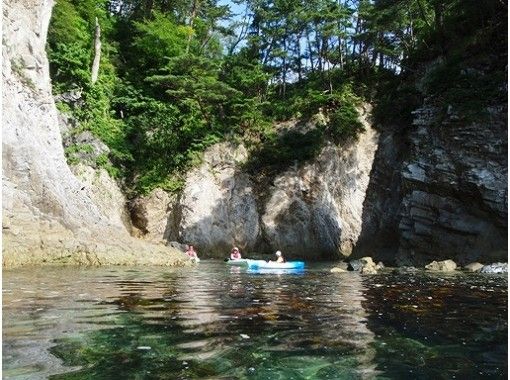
[18, 67]
[69, 65]
[281, 150]
[468, 90]
[396, 99]
[63, 108]
[175, 78]
[344, 123]
[70, 36]
[455, 60]
[103, 161]
[73, 152]
[159, 39]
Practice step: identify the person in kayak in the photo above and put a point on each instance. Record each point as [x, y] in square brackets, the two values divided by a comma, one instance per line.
[279, 258]
[191, 252]
[235, 254]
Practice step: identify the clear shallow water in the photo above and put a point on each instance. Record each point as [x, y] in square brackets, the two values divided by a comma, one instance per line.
[215, 321]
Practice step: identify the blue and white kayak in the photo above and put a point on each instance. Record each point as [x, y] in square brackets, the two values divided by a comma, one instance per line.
[258, 270]
[237, 261]
[243, 262]
[261, 264]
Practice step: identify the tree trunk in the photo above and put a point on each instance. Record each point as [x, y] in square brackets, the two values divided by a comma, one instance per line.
[284, 84]
[310, 51]
[97, 53]
[356, 38]
[318, 48]
[298, 51]
[194, 11]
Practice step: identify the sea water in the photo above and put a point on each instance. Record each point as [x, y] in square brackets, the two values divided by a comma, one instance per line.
[222, 322]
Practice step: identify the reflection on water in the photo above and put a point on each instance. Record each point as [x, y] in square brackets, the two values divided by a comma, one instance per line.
[439, 326]
[219, 321]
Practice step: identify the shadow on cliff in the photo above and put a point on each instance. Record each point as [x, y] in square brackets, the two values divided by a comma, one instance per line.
[280, 153]
[379, 237]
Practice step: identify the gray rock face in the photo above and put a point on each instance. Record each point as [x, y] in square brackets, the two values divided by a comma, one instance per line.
[48, 216]
[315, 210]
[218, 208]
[105, 193]
[455, 189]
[379, 234]
[444, 192]
[154, 216]
[311, 211]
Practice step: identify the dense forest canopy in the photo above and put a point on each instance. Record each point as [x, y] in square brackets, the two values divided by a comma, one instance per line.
[177, 76]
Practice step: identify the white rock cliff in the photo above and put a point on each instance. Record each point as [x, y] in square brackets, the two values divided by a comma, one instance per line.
[47, 214]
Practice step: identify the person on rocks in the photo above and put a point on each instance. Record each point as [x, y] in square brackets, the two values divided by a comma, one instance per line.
[235, 254]
[279, 258]
[191, 252]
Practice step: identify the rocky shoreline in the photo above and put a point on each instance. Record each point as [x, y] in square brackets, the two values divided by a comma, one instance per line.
[366, 265]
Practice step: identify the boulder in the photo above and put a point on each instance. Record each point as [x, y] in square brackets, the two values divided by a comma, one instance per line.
[473, 267]
[495, 268]
[369, 269]
[442, 266]
[355, 265]
[342, 264]
[365, 265]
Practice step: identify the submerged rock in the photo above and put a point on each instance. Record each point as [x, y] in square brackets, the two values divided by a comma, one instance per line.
[405, 270]
[495, 268]
[473, 267]
[442, 266]
[337, 270]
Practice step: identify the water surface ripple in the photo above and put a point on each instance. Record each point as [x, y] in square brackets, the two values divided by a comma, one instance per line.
[214, 321]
